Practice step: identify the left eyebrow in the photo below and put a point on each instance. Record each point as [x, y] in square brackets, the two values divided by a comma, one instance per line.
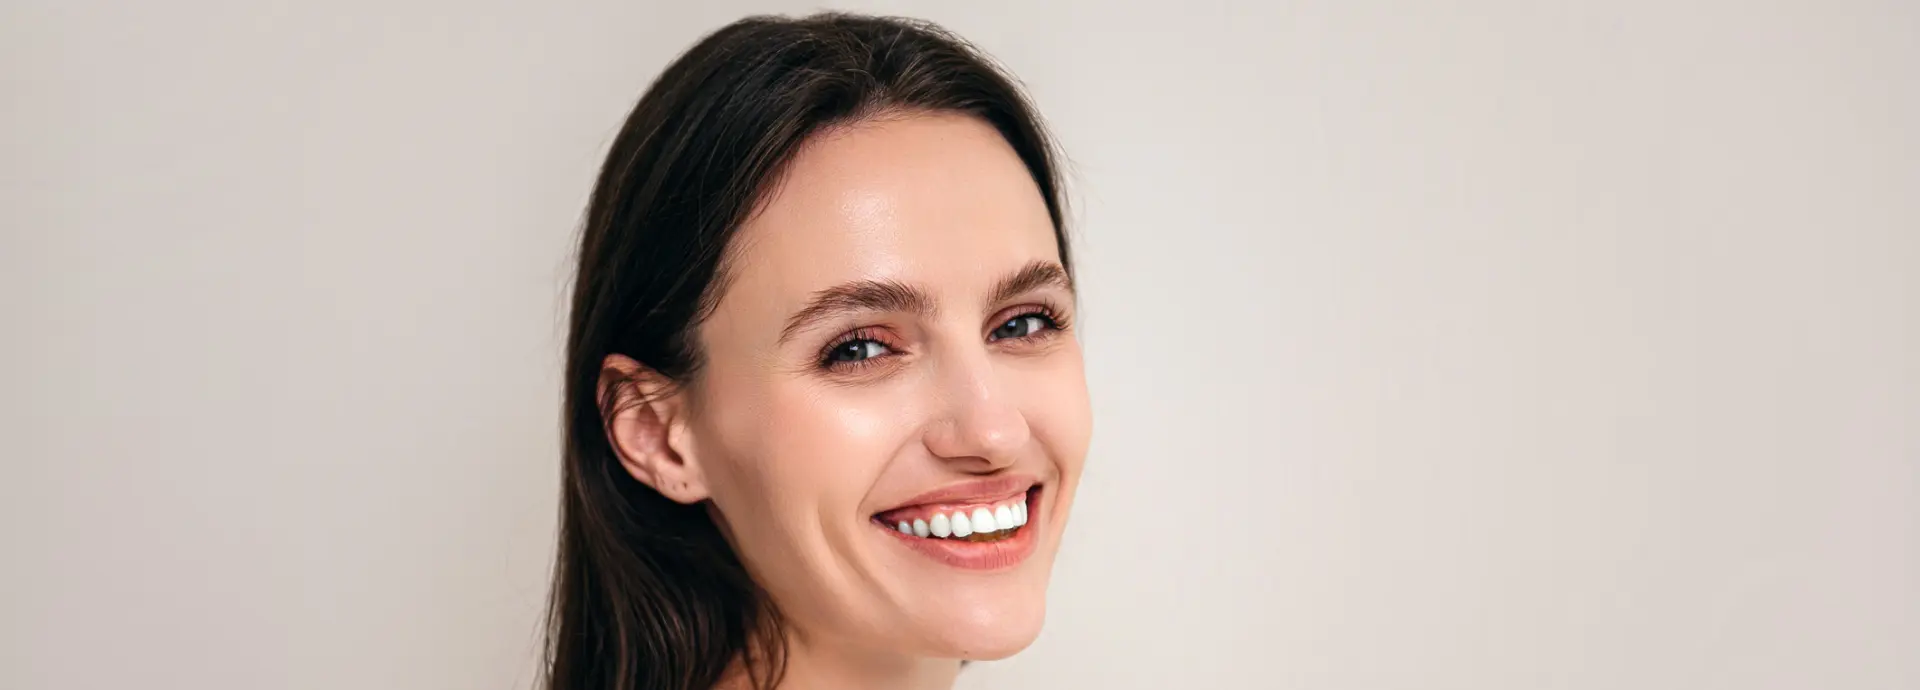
[889, 295]
[1034, 276]
[858, 296]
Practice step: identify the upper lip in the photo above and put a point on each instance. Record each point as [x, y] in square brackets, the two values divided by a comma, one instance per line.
[974, 490]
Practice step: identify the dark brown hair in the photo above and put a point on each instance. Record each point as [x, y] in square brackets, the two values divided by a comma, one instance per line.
[647, 593]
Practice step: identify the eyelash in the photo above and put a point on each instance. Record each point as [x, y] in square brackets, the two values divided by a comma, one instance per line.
[1052, 324]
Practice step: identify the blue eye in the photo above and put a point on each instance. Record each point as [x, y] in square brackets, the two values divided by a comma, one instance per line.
[1022, 326]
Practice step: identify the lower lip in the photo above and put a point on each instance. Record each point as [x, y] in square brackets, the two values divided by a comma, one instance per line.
[979, 555]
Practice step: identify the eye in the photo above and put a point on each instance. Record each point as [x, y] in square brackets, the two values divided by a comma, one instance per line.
[855, 351]
[859, 349]
[1023, 326]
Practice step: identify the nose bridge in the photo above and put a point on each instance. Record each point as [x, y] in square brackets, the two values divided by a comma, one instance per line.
[981, 415]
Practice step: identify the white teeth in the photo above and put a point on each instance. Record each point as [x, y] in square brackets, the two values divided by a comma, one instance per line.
[983, 521]
[961, 523]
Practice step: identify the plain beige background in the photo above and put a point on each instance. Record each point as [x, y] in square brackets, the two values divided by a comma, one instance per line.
[1486, 345]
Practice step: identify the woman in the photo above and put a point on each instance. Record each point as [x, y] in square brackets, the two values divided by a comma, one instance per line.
[825, 407]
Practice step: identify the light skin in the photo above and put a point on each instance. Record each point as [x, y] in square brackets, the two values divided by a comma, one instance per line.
[894, 321]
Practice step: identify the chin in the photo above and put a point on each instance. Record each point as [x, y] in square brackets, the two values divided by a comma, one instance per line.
[985, 630]
[999, 648]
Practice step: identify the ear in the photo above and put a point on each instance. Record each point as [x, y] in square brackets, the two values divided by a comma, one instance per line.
[647, 425]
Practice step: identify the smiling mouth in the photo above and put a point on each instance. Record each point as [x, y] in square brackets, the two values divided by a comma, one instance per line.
[969, 522]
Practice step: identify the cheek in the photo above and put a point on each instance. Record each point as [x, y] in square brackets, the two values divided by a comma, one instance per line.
[1059, 410]
[789, 466]
[837, 440]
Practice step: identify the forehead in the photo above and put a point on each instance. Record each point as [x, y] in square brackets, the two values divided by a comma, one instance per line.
[938, 200]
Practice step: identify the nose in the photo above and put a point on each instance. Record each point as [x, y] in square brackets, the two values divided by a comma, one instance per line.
[982, 428]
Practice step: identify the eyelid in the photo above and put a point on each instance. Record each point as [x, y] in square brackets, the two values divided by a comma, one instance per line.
[1042, 307]
[873, 333]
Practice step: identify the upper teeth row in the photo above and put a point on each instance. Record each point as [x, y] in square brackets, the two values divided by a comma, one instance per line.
[962, 523]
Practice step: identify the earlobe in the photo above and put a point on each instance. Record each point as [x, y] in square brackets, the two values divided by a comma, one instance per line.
[646, 425]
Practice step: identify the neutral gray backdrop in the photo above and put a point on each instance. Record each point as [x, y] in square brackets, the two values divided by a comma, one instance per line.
[1434, 345]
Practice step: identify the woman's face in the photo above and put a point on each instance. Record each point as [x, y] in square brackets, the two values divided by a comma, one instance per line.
[893, 347]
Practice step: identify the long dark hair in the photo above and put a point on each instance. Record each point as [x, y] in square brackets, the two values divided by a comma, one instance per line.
[646, 592]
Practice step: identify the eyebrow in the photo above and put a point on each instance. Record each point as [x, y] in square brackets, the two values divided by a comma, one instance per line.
[1031, 277]
[894, 296]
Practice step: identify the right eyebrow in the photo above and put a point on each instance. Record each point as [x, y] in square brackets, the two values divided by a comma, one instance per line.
[858, 296]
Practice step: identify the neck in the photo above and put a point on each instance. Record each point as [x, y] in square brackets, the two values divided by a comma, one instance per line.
[814, 663]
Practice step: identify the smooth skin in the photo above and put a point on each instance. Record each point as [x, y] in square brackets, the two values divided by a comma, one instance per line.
[799, 432]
